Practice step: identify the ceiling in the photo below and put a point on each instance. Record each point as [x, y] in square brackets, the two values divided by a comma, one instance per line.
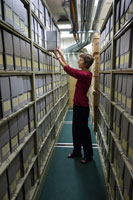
[62, 14]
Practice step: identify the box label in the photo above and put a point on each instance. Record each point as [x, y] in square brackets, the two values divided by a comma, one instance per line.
[122, 60]
[9, 60]
[35, 65]
[32, 124]
[8, 13]
[5, 149]
[1, 59]
[16, 20]
[131, 153]
[21, 134]
[13, 186]
[23, 62]
[117, 130]
[29, 95]
[41, 66]
[14, 141]
[7, 106]
[18, 175]
[22, 25]
[117, 61]
[129, 102]
[127, 57]
[124, 99]
[124, 144]
[15, 102]
[25, 96]
[29, 63]
[26, 129]
[119, 96]
[17, 61]
[21, 99]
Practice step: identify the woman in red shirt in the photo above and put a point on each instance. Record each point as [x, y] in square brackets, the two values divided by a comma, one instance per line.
[80, 129]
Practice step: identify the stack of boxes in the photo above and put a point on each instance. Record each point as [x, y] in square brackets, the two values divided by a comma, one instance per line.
[31, 103]
[94, 95]
[115, 111]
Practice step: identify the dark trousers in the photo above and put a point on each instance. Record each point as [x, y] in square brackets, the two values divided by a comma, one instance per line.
[81, 131]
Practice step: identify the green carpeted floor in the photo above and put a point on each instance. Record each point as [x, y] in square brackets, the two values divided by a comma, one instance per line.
[68, 179]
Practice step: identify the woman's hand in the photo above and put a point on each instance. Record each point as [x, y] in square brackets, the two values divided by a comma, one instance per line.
[59, 55]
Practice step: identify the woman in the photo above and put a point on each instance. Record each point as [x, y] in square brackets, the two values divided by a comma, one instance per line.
[80, 129]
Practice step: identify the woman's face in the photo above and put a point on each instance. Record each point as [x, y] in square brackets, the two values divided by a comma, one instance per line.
[81, 63]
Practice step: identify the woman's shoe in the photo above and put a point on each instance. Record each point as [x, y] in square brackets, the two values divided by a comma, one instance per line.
[86, 160]
[73, 155]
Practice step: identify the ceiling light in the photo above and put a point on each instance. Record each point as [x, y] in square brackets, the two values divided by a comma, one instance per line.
[64, 26]
[96, 2]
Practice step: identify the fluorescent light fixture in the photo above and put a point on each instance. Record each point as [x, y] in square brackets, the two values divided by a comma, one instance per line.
[96, 2]
[64, 26]
[66, 34]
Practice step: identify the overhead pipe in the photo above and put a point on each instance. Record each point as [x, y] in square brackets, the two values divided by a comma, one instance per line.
[94, 26]
[88, 9]
[79, 46]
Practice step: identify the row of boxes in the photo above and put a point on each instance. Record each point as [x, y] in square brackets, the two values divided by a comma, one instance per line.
[57, 95]
[64, 79]
[15, 13]
[124, 50]
[13, 132]
[104, 106]
[15, 92]
[43, 130]
[56, 80]
[105, 83]
[15, 53]
[107, 32]
[106, 59]
[42, 61]
[16, 170]
[43, 84]
[123, 130]
[123, 91]
[41, 12]
[124, 12]
[122, 171]
[38, 33]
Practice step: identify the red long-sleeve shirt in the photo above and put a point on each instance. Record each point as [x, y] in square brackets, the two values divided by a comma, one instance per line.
[82, 85]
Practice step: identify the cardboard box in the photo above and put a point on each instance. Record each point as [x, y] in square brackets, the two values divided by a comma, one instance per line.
[14, 93]
[26, 33]
[26, 124]
[14, 175]
[16, 21]
[116, 88]
[128, 10]
[28, 56]
[117, 59]
[25, 90]
[124, 86]
[4, 142]
[8, 11]
[1, 52]
[13, 128]
[118, 124]
[5, 103]
[117, 20]
[130, 147]
[20, 91]
[29, 88]
[127, 184]
[25, 161]
[38, 111]
[23, 54]
[20, 120]
[52, 38]
[4, 186]
[122, 16]
[31, 118]
[122, 50]
[120, 78]
[8, 50]
[124, 133]
[42, 108]
[21, 17]
[16, 46]
[40, 85]
[36, 64]
[40, 61]
[129, 94]
[127, 45]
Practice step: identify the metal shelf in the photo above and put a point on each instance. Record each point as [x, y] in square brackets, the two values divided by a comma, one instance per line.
[12, 156]
[41, 48]
[125, 71]
[9, 28]
[4, 120]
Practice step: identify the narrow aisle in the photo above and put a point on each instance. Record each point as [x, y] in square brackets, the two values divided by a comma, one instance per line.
[68, 179]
